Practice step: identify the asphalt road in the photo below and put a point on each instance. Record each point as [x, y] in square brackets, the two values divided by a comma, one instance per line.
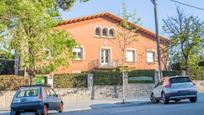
[174, 108]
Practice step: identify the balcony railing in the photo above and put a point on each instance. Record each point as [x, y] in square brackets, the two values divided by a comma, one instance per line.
[110, 65]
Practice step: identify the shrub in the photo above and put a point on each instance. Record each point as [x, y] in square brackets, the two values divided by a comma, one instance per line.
[147, 76]
[107, 78]
[196, 73]
[171, 73]
[139, 73]
[12, 82]
[70, 80]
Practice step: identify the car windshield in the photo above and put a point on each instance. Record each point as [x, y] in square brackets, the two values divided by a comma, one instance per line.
[180, 80]
[28, 92]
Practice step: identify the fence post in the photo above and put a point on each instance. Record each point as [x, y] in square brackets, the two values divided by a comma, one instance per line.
[90, 85]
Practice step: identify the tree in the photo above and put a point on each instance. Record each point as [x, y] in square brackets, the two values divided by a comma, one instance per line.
[28, 26]
[126, 34]
[186, 33]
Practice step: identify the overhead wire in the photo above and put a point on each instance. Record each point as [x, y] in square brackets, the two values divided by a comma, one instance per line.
[188, 5]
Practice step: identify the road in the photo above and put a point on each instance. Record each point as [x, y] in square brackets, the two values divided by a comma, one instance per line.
[174, 108]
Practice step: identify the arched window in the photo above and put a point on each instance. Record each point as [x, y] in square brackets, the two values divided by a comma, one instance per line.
[98, 31]
[112, 33]
[105, 32]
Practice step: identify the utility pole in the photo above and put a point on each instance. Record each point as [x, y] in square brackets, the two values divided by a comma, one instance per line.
[16, 60]
[158, 39]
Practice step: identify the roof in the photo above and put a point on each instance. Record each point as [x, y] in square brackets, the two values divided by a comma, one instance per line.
[163, 40]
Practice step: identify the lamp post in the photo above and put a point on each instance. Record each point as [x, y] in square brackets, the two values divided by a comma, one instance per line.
[158, 39]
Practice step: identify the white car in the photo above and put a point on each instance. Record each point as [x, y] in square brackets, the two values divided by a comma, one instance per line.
[174, 88]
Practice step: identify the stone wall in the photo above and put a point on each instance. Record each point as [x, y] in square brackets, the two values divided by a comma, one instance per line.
[70, 95]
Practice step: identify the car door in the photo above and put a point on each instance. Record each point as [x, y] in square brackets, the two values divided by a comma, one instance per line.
[55, 100]
[48, 98]
[157, 90]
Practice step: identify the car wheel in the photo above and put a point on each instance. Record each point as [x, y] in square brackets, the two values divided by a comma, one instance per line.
[45, 110]
[193, 99]
[164, 99]
[61, 108]
[14, 112]
[153, 99]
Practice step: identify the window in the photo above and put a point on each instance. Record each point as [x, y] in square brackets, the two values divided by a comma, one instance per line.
[105, 32]
[150, 57]
[130, 55]
[78, 53]
[28, 92]
[105, 56]
[112, 33]
[98, 31]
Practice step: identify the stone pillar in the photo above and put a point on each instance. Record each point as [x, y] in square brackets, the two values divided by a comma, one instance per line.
[184, 73]
[156, 77]
[90, 85]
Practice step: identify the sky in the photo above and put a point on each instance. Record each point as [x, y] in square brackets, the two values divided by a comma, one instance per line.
[144, 10]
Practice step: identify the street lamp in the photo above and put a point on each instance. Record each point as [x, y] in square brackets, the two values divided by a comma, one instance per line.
[158, 39]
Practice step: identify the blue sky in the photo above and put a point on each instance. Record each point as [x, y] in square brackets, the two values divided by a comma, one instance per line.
[143, 8]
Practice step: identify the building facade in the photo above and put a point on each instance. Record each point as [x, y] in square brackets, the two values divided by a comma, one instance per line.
[98, 45]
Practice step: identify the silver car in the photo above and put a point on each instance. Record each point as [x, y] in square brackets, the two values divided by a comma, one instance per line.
[174, 88]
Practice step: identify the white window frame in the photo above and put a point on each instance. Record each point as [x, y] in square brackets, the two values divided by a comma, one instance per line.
[107, 30]
[114, 32]
[152, 60]
[110, 58]
[134, 54]
[98, 26]
[82, 51]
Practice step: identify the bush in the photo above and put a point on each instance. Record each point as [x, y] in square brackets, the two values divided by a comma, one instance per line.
[148, 74]
[171, 73]
[107, 78]
[196, 73]
[70, 80]
[140, 81]
[139, 73]
[11, 82]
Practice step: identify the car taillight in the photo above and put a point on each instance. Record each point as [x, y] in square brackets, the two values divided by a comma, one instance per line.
[167, 86]
[40, 97]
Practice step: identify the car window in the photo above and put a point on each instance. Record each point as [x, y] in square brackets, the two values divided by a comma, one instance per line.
[47, 92]
[28, 92]
[180, 80]
[52, 92]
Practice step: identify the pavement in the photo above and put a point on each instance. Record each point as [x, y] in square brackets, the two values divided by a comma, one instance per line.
[95, 104]
[139, 106]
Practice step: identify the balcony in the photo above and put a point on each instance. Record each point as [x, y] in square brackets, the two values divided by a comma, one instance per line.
[110, 65]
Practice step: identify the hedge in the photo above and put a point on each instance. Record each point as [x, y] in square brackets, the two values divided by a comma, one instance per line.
[196, 73]
[107, 78]
[11, 82]
[171, 73]
[70, 80]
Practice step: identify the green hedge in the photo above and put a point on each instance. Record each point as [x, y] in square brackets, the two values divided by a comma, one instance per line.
[11, 82]
[171, 73]
[107, 78]
[139, 73]
[70, 80]
[196, 73]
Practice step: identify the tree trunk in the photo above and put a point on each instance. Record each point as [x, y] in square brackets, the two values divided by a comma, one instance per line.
[186, 66]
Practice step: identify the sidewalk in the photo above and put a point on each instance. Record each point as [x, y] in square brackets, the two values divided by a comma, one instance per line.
[104, 103]
[97, 104]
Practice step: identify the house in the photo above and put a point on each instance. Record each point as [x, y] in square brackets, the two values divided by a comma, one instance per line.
[97, 48]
